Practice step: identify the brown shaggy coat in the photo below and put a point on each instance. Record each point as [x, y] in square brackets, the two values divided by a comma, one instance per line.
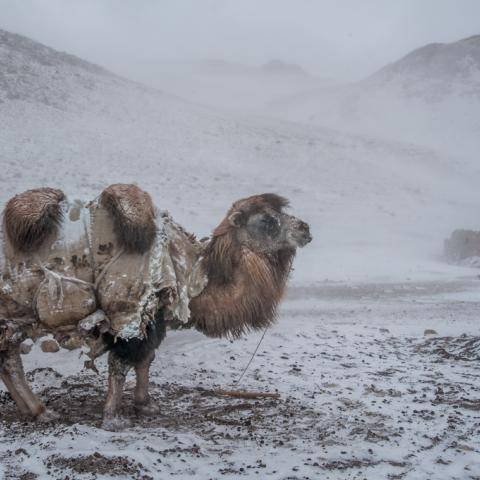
[244, 287]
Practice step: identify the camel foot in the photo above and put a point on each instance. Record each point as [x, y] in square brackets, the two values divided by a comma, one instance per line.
[47, 416]
[116, 424]
[148, 409]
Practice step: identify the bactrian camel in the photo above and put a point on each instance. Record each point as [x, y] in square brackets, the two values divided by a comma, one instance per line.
[114, 273]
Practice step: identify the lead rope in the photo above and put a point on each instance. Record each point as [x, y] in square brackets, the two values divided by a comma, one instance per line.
[54, 278]
[236, 382]
[105, 268]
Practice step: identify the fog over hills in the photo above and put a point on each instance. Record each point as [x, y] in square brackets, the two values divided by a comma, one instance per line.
[377, 208]
[227, 85]
[430, 97]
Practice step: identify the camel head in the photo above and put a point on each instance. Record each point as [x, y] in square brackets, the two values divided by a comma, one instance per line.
[260, 224]
[247, 263]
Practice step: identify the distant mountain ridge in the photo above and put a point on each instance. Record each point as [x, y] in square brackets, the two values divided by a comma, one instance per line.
[274, 66]
[226, 85]
[279, 66]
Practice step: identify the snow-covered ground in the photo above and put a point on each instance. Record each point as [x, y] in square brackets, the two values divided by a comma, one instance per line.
[363, 392]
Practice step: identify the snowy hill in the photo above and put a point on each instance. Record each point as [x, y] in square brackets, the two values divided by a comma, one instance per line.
[435, 71]
[376, 208]
[430, 97]
[33, 72]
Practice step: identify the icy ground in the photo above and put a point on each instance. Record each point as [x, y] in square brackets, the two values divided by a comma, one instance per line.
[364, 393]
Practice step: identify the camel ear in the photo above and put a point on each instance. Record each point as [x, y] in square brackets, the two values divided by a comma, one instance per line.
[235, 219]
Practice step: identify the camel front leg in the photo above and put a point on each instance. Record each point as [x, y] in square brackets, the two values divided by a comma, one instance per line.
[13, 375]
[117, 374]
[143, 403]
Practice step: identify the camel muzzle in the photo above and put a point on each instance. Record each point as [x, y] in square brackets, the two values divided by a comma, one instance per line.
[306, 235]
[301, 233]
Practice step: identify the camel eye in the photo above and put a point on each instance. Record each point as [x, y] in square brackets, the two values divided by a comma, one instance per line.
[269, 224]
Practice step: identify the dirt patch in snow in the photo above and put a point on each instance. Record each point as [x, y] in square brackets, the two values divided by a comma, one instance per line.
[79, 400]
[97, 464]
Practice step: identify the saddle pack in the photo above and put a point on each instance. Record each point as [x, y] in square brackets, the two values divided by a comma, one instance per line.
[111, 263]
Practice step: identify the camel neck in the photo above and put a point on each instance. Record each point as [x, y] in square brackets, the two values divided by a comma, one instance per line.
[247, 298]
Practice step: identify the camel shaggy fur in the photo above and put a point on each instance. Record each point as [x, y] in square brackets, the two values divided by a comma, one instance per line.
[128, 273]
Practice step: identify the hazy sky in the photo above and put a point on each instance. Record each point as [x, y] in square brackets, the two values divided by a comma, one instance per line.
[343, 39]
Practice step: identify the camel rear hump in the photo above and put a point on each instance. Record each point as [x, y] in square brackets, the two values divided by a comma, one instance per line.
[32, 218]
